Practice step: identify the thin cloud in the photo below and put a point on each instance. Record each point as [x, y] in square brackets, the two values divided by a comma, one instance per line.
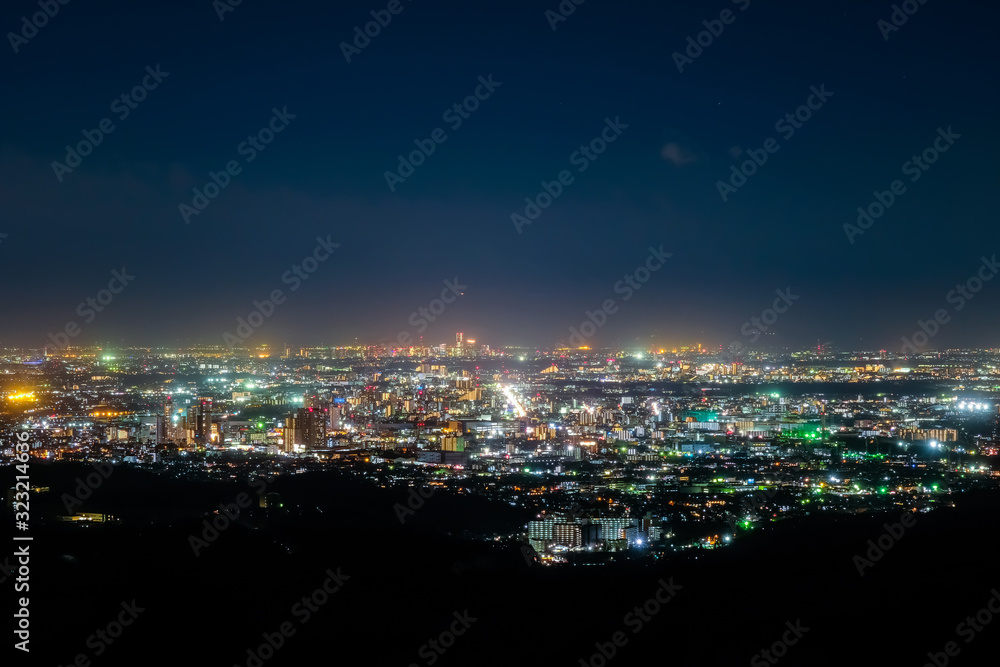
[672, 152]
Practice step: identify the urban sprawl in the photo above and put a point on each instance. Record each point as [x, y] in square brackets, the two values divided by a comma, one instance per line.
[609, 454]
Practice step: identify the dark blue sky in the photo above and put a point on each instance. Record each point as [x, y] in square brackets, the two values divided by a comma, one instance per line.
[655, 185]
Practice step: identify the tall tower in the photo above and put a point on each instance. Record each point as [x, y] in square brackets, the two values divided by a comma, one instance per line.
[312, 422]
[165, 432]
[199, 420]
[307, 427]
[290, 435]
[459, 337]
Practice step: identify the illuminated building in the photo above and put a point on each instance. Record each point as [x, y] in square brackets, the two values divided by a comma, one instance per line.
[312, 422]
[451, 443]
[305, 429]
[290, 435]
[613, 528]
[567, 534]
[160, 429]
[940, 434]
[198, 424]
[163, 424]
[540, 533]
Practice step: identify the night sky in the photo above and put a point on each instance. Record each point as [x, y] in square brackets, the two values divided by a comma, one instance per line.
[656, 184]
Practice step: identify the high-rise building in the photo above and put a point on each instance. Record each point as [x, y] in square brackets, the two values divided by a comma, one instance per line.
[160, 430]
[290, 435]
[305, 429]
[199, 421]
[313, 426]
[541, 530]
[613, 528]
[451, 443]
[164, 429]
[567, 534]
